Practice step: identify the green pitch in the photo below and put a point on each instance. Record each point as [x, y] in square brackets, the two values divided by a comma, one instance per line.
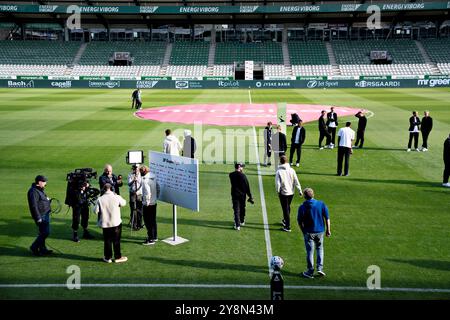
[391, 212]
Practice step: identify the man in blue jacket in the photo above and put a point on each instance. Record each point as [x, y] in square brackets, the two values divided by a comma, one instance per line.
[313, 218]
[39, 205]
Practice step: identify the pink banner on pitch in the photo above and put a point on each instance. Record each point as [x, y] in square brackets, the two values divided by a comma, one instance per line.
[236, 114]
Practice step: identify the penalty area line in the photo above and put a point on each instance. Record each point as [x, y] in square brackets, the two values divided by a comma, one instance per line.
[220, 286]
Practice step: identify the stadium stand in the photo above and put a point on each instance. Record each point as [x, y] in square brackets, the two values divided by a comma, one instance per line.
[267, 52]
[189, 53]
[308, 53]
[312, 70]
[32, 70]
[273, 70]
[38, 52]
[188, 71]
[223, 70]
[438, 49]
[444, 68]
[385, 69]
[358, 52]
[143, 53]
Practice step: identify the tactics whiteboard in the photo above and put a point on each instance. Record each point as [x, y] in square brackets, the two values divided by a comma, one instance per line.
[178, 179]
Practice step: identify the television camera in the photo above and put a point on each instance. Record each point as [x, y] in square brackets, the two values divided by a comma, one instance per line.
[79, 189]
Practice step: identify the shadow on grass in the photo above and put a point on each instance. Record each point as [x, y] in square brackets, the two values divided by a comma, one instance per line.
[215, 265]
[410, 182]
[15, 251]
[427, 264]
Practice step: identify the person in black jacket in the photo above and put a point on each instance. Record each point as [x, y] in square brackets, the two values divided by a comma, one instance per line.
[240, 188]
[80, 208]
[332, 123]
[445, 182]
[323, 131]
[267, 144]
[362, 123]
[414, 127]
[279, 145]
[112, 179]
[39, 205]
[425, 128]
[297, 139]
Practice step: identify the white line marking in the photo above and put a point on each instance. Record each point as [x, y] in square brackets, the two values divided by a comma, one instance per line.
[250, 96]
[220, 286]
[263, 204]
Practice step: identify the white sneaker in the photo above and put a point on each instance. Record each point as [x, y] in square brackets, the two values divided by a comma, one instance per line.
[122, 259]
[447, 185]
[297, 165]
[237, 228]
[321, 148]
[424, 149]
[418, 150]
[292, 164]
[408, 150]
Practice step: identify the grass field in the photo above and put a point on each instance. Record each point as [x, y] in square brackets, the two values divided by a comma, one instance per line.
[391, 211]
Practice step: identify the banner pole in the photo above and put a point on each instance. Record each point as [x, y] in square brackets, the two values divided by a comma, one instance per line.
[174, 223]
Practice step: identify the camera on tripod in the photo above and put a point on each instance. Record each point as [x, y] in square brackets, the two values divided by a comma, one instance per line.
[78, 190]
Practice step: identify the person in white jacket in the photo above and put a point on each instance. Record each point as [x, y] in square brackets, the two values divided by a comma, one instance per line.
[150, 193]
[108, 210]
[285, 182]
[171, 144]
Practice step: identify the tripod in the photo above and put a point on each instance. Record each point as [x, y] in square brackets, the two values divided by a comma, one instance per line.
[135, 223]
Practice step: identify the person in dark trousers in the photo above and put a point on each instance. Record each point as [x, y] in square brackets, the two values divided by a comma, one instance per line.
[133, 98]
[267, 144]
[345, 138]
[81, 209]
[286, 181]
[323, 131]
[109, 219]
[279, 145]
[135, 191]
[414, 128]
[39, 205]
[332, 123]
[189, 145]
[150, 193]
[445, 182]
[362, 123]
[240, 188]
[314, 220]
[111, 178]
[297, 140]
[425, 128]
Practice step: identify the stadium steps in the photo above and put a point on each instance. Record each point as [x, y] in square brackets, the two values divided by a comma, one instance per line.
[211, 54]
[79, 54]
[167, 55]
[286, 59]
[330, 53]
[433, 66]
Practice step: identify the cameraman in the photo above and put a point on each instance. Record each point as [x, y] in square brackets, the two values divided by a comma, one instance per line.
[80, 207]
[135, 188]
[112, 179]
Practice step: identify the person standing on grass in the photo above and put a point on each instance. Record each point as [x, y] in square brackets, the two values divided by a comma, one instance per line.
[133, 99]
[279, 145]
[297, 140]
[425, 128]
[332, 123]
[445, 182]
[240, 188]
[362, 123]
[171, 144]
[414, 128]
[323, 130]
[150, 193]
[109, 177]
[267, 144]
[39, 205]
[189, 145]
[285, 183]
[345, 138]
[314, 220]
[109, 219]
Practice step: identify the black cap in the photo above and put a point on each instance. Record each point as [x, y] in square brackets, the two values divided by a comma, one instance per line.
[40, 178]
[238, 165]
